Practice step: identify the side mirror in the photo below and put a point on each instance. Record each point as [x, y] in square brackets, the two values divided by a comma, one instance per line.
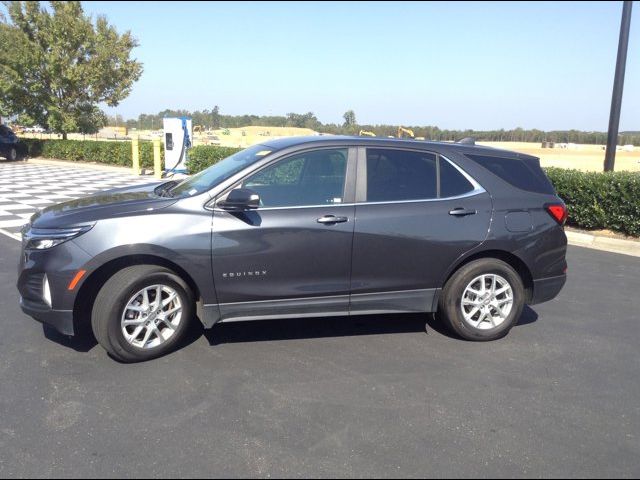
[240, 199]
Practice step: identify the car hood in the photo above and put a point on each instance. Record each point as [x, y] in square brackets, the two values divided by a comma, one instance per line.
[99, 206]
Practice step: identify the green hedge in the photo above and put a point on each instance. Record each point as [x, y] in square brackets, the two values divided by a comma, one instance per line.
[108, 152]
[597, 200]
[204, 156]
[119, 153]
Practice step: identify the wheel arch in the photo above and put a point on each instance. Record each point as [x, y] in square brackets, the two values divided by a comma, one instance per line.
[87, 292]
[509, 258]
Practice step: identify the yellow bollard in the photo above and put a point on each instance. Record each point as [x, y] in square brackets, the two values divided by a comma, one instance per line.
[135, 155]
[157, 163]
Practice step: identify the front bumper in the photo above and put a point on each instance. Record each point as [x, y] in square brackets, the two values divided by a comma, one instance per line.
[61, 320]
[60, 264]
[546, 289]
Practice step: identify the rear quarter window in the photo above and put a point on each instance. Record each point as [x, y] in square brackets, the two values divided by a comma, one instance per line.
[452, 182]
[522, 173]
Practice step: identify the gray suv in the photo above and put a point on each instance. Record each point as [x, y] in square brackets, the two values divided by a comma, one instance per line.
[302, 227]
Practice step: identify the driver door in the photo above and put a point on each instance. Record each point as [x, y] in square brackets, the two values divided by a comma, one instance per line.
[292, 255]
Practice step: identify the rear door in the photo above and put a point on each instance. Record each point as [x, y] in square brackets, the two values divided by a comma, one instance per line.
[416, 213]
[292, 255]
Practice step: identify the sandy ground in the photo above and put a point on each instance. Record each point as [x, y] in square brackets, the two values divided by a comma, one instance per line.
[226, 137]
[582, 157]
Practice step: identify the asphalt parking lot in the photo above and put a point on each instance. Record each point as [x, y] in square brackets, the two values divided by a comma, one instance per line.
[342, 397]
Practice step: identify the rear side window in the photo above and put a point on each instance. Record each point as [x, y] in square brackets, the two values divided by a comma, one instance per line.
[525, 174]
[400, 175]
[394, 175]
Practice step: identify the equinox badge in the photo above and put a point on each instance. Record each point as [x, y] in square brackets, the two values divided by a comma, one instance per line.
[252, 273]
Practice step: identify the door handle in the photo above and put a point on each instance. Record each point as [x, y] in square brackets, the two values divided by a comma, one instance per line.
[462, 212]
[329, 219]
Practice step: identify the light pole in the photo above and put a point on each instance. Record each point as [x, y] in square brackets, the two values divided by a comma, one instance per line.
[618, 84]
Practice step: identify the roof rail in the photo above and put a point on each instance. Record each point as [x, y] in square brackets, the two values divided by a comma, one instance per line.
[467, 141]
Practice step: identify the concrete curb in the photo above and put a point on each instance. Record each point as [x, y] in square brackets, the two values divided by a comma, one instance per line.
[607, 244]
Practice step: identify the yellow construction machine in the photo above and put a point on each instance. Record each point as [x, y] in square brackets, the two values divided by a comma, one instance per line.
[366, 133]
[405, 133]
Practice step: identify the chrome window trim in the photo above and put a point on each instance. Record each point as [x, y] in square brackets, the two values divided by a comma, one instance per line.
[262, 209]
[477, 190]
[472, 193]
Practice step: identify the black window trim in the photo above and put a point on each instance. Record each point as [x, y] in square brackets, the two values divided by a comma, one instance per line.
[361, 177]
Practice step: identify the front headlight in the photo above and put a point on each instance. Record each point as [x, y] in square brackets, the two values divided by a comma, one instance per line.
[43, 238]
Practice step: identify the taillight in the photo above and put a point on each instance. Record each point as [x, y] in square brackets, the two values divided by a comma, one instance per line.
[558, 211]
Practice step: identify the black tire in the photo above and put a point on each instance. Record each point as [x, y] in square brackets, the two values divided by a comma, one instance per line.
[10, 154]
[450, 308]
[110, 303]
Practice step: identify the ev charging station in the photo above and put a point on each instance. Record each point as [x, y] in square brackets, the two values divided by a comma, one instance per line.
[178, 133]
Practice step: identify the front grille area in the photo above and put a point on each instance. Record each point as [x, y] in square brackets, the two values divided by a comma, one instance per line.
[33, 287]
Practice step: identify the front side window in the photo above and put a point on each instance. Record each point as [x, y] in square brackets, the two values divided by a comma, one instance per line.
[307, 179]
[394, 175]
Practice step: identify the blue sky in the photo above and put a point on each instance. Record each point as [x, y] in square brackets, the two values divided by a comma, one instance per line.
[479, 65]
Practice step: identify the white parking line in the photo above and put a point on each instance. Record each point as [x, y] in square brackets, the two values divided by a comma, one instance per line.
[26, 188]
[11, 235]
[16, 222]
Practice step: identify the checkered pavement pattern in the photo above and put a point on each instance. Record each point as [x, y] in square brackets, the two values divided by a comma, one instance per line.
[25, 188]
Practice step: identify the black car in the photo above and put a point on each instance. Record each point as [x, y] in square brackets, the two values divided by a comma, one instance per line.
[302, 227]
[10, 146]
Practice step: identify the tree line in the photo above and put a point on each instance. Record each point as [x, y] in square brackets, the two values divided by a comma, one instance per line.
[213, 119]
[57, 65]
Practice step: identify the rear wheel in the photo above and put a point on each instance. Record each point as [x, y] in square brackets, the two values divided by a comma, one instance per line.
[141, 313]
[483, 300]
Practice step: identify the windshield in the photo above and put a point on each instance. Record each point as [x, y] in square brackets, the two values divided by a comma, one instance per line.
[218, 172]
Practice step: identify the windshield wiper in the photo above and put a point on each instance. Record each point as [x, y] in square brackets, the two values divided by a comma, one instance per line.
[164, 190]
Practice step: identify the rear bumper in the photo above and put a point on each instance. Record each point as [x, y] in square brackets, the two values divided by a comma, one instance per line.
[546, 289]
[61, 320]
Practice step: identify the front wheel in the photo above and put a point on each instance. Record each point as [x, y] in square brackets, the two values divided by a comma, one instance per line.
[141, 313]
[11, 154]
[483, 300]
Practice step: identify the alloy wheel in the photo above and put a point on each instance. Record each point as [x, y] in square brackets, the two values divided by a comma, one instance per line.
[487, 301]
[151, 317]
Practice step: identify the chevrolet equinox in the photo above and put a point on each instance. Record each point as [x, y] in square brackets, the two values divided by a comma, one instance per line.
[302, 227]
